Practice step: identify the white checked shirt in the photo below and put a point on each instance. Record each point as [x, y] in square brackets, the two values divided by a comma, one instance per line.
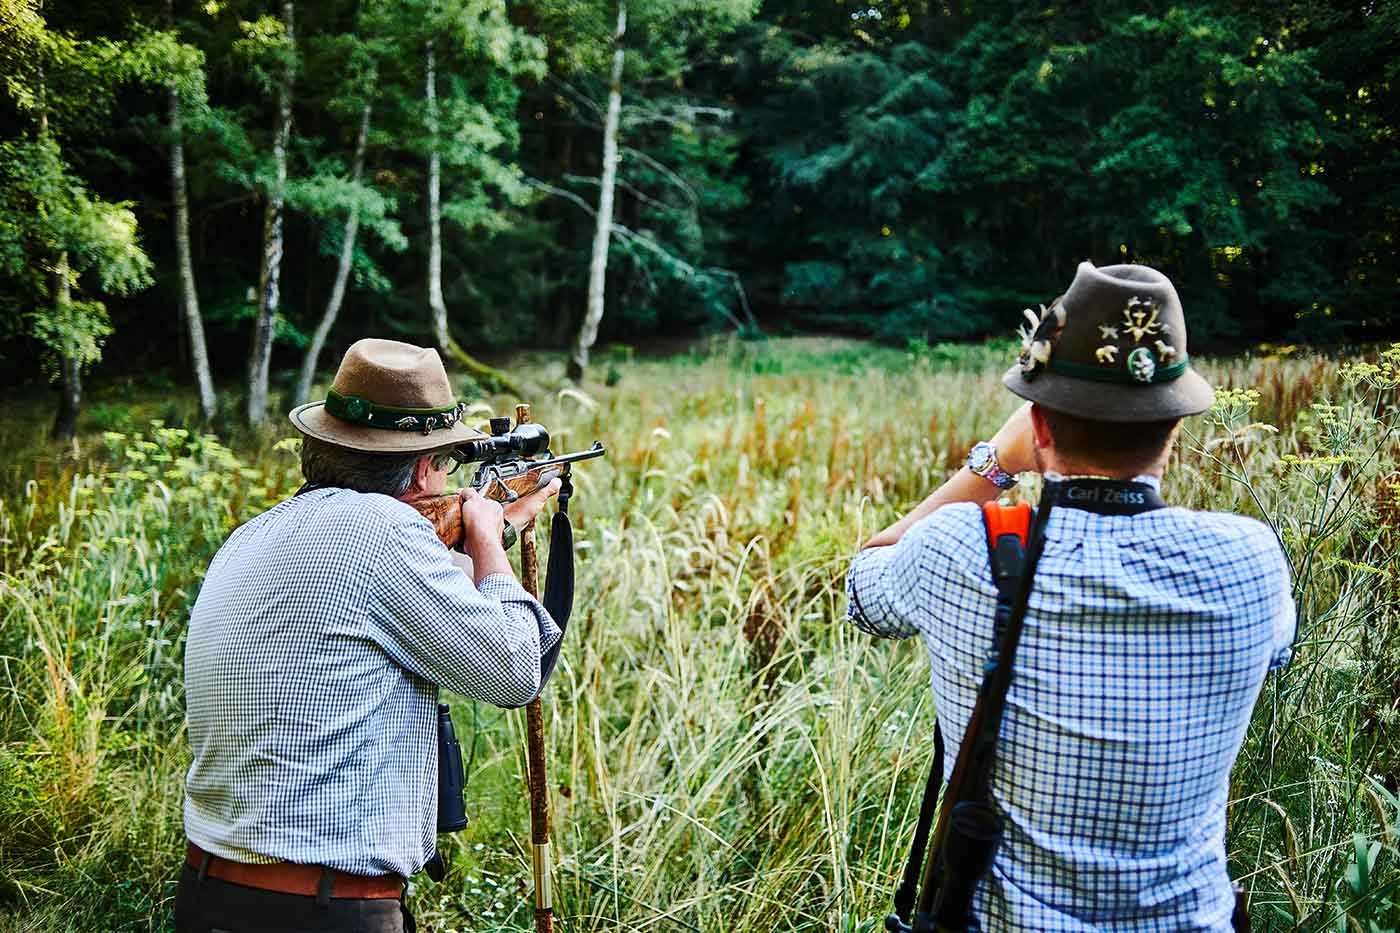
[321, 633]
[1146, 643]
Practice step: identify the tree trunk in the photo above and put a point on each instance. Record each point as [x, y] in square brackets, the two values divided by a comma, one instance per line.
[342, 272]
[189, 297]
[269, 279]
[598, 266]
[436, 305]
[70, 367]
[487, 376]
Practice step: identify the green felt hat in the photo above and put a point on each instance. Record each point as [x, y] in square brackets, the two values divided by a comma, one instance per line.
[1111, 348]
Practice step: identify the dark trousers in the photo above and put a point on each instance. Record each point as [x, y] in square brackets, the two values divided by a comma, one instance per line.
[214, 906]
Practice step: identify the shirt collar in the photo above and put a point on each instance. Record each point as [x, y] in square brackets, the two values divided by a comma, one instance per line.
[1145, 478]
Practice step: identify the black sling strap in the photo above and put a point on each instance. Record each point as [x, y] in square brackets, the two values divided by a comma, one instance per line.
[909, 885]
[558, 599]
[1006, 555]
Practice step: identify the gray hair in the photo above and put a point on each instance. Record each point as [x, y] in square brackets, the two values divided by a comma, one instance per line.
[326, 464]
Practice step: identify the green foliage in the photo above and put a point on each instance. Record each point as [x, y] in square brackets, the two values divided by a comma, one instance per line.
[50, 226]
[95, 578]
[917, 189]
[896, 168]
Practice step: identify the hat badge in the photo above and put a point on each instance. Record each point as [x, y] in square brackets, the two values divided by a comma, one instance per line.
[1038, 335]
[1142, 365]
[1141, 323]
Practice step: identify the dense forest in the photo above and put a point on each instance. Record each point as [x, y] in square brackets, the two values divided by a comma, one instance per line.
[227, 193]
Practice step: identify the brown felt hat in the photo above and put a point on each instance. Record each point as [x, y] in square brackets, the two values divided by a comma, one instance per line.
[1111, 348]
[387, 398]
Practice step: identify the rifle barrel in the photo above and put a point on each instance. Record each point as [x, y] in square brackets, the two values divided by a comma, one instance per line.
[592, 453]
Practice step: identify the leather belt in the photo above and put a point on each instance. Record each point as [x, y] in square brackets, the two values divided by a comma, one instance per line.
[290, 878]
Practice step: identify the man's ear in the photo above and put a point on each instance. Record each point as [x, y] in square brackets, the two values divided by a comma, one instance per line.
[421, 469]
[1041, 428]
[1172, 440]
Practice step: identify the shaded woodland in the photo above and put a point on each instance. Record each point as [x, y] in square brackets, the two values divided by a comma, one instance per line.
[225, 194]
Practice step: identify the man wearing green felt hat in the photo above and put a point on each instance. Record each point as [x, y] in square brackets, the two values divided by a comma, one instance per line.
[322, 632]
[1116, 653]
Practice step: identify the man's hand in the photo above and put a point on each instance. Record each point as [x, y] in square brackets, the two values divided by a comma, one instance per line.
[483, 522]
[1015, 442]
[522, 511]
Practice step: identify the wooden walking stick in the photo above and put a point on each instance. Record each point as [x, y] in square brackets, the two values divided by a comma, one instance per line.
[534, 742]
[511, 464]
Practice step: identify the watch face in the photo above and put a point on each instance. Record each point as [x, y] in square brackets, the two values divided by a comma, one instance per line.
[980, 458]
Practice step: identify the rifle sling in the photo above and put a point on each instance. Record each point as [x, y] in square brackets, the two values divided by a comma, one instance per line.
[558, 597]
[909, 885]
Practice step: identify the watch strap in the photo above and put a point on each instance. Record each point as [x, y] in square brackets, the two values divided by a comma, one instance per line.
[992, 471]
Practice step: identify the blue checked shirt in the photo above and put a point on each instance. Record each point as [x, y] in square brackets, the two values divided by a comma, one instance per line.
[1146, 643]
[316, 647]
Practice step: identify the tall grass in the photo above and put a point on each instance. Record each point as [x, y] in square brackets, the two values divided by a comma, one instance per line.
[727, 754]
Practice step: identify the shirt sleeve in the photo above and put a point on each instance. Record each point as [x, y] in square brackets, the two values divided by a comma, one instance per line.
[483, 643]
[882, 582]
[1285, 613]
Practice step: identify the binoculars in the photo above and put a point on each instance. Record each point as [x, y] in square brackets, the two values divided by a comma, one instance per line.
[452, 811]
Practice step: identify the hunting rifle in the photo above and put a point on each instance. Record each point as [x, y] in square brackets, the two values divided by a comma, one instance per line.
[513, 464]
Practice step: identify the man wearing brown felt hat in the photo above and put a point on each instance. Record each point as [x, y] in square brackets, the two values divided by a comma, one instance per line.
[1147, 635]
[322, 632]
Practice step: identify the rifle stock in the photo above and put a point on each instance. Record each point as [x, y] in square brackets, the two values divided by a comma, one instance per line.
[445, 512]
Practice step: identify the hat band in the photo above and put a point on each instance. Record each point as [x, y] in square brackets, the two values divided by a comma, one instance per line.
[1116, 375]
[357, 410]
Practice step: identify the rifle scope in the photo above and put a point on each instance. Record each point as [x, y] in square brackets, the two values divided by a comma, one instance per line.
[526, 440]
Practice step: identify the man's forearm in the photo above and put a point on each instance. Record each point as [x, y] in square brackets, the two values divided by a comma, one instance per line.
[488, 557]
[964, 486]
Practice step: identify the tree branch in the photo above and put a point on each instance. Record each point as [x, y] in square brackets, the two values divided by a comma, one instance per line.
[671, 260]
[669, 174]
[628, 186]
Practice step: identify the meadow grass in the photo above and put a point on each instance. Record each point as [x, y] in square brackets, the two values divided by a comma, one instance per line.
[727, 753]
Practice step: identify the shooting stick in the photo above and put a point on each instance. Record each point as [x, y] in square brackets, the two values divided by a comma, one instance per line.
[534, 742]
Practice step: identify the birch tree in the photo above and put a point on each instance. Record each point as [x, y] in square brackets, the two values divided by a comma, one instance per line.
[344, 72]
[654, 44]
[342, 269]
[602, 235]
[270, 268]
[437, 306]
[473, 137]
[184, 263]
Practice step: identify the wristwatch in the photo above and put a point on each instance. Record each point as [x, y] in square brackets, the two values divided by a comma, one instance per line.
[982, 460]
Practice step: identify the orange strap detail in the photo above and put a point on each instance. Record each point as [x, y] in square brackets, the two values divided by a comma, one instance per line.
[1007, 520]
